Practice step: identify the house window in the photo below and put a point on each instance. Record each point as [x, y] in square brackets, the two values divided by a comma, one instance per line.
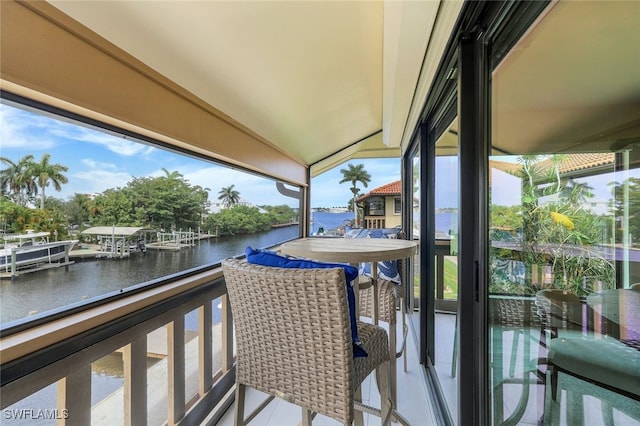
[397, 206]
[376, 207]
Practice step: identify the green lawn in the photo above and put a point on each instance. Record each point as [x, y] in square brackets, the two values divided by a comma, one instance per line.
[450, 280]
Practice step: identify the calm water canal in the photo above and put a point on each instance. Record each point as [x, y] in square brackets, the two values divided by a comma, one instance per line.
[45, 290]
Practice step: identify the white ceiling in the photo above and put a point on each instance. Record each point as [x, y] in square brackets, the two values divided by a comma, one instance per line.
[572, 83]
[311, 77]
[317, 77]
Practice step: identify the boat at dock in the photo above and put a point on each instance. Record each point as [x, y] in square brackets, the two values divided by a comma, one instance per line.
[114, 241]
[32, 249]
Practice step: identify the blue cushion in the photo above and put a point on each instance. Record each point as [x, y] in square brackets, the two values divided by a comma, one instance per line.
[388, 269]
[270, 258]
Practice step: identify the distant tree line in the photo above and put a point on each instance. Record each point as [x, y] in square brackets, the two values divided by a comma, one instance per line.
[167, 203]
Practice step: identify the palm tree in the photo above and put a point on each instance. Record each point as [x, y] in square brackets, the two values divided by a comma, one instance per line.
[46, 173]
[577, 193]
[203, 195]
[229, 196]
[355, 174]
[17, 178]
[77, 209]
[172, 176]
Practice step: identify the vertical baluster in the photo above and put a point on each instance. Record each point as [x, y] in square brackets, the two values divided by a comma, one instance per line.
[227, 335]
[175, 343]
[74, 398]
[135, 382]
[205, 348]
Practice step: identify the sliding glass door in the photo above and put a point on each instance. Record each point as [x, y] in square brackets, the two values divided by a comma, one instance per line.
[564, 220]
[537, 171]
[444, 235]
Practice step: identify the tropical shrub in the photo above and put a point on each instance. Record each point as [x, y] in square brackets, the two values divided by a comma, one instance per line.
[239, 219]
[558, 243]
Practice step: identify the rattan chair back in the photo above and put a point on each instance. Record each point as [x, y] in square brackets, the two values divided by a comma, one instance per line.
[293, 336]
[559, 309]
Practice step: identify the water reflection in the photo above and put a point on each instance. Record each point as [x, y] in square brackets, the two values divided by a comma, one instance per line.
[54, 288]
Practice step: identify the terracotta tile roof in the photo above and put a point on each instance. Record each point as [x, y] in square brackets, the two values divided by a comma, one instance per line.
[570, 164]
[393, 188]
[576, 162]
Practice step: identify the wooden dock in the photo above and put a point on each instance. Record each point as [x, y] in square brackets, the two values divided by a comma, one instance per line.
[45, 266]
[167, 245]
[169, 241]
[93, 251]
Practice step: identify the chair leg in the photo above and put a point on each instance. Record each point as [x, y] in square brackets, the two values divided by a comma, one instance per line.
[551, 412]
[554, 383]
[607, 414]
[239, 405]
[541, 393]
[405, 331]
[384, 386]
[306, 417]
[514, 352]
[575, 414]
[454, 356]
[393, 361]
[358, 416]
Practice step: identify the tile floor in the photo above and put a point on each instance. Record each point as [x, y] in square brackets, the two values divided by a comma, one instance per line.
[412, 400]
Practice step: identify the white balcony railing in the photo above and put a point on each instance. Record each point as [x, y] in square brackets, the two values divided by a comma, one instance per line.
[192, 370]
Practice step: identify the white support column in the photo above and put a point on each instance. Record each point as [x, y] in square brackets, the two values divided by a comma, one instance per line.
[205, 348]
[176, 391]
[227, 335]
[135, 382]
[74, 398]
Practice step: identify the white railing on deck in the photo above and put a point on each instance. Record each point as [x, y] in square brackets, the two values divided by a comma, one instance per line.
[165, 393]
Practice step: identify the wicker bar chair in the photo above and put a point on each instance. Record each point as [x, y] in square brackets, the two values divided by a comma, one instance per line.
[514, 318]
[293, 341]
[389, 293]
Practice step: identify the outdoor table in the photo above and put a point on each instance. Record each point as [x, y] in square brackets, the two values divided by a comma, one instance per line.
[352, 251]
[355, 251]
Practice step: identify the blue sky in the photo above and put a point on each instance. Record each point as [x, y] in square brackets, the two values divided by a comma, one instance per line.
[328, 192]
[98, 161]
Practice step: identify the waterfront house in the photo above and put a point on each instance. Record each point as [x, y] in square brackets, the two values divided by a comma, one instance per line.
[285, 91]
[382, 206]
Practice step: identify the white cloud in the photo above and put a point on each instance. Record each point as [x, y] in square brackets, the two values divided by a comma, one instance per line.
[23, 129]
[255, 189]
[19, 129]
[96, 165]
[116, 144]
[94, 182]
